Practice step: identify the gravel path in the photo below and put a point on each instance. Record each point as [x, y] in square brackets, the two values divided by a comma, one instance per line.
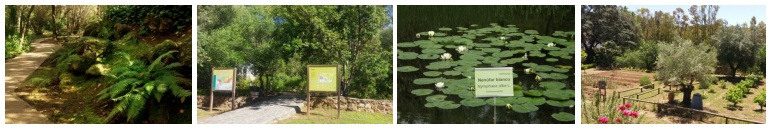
[17, 111]
[270, 111]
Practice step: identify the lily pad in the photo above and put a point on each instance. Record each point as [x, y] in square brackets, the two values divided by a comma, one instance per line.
[566, 103]
[406, 44]
[551, 59]
[563, 116]
[428, 56]
[557, 94]
[435, 98]
[533, 93]
[422, 92]
[524, 108]
[432, 73]
[531, 32]
[473, 102]
[452, 73]
[407, 56]
[447, 105]
[407, 69]
[433, 51]
[552, 85]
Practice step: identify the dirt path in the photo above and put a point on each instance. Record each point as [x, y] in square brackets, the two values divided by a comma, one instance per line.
[17, 111]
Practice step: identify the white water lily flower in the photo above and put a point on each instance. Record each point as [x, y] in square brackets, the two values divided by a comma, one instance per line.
[550, 45]
[503, 38]
[529, 71]
[417, 35]
[439, 85]
[461, 48]
[508, 106]
[430, 33]
[525, 56]
[446, 56]
[537, 78]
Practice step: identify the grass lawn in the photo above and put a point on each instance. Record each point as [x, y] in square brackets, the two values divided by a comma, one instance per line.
[328, 116]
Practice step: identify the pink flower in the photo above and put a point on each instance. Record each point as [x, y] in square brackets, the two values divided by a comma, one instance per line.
[628, 105]
[626, 112]
[621, 107]
[603, 120]
[618, 120]
[634, 114]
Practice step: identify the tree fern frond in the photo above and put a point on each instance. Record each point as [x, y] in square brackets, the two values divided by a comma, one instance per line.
[128, 73]
[158, 61]
[137, 104]
[179, 91]
[172, 65]
[119, 108]
[120, 87]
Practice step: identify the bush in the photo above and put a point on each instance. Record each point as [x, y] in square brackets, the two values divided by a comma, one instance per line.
[734, 95]
[723, 84]
[755, 78]
[12, 48]
[645, 81]
[760, 99]
[705, 83]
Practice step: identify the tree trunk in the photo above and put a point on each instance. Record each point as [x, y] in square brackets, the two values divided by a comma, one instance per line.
[53, 19]
[687, 89]
[23, 28]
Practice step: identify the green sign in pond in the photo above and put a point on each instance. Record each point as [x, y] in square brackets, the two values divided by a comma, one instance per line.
[494, 82]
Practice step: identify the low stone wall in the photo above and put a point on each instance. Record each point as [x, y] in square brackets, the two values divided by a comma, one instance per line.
[354, 104]
[222, 101]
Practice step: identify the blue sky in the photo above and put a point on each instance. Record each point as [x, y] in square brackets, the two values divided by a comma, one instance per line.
[734, 14]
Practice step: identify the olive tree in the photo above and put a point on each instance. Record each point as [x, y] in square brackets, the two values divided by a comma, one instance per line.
[682, 63]
[735, 48]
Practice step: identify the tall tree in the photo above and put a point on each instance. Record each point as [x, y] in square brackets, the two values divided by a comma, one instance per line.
[736, 49]
[23, 27]
[682, 63]
[607, 31]
[53, 22]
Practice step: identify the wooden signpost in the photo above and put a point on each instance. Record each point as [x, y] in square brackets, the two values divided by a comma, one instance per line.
[324, 79]
[223, 80]
[494, 82]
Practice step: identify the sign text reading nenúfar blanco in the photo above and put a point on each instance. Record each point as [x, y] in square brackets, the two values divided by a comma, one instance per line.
[494, 82]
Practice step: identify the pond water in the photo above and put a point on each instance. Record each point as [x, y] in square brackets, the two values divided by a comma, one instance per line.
[538, 38]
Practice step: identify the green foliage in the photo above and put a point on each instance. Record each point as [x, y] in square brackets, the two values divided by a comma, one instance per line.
[683, 62]
[735, 94]
[608, 31]
[161, 16]
[755, 78]
[645, 81]
[723, 84]
[760, 99]
[275, 43]
[12, 48]
[138, 84]
[735, 49]
[644, 57]
[706, 82]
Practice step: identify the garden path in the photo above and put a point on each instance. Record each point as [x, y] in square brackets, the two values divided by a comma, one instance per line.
[17, 111]
[266, 112]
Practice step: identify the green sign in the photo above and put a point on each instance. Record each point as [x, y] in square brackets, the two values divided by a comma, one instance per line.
[494, 82]
[323, 78]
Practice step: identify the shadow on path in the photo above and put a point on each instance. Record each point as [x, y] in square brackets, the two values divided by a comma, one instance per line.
[17, 111]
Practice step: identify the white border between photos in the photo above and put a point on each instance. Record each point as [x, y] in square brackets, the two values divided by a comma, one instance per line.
[395, 4]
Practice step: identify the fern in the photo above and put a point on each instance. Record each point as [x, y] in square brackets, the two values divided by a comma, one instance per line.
[136, 83]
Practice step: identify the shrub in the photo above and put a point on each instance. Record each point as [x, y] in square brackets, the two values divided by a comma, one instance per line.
[723, 84]
[606, 112]
[755, 78]
[646, 81]
[704, 83]
[734, 95]
[12, 48]
[760, 99]
[140, 89]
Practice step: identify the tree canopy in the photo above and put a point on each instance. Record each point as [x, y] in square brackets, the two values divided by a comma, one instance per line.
[274, 43]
